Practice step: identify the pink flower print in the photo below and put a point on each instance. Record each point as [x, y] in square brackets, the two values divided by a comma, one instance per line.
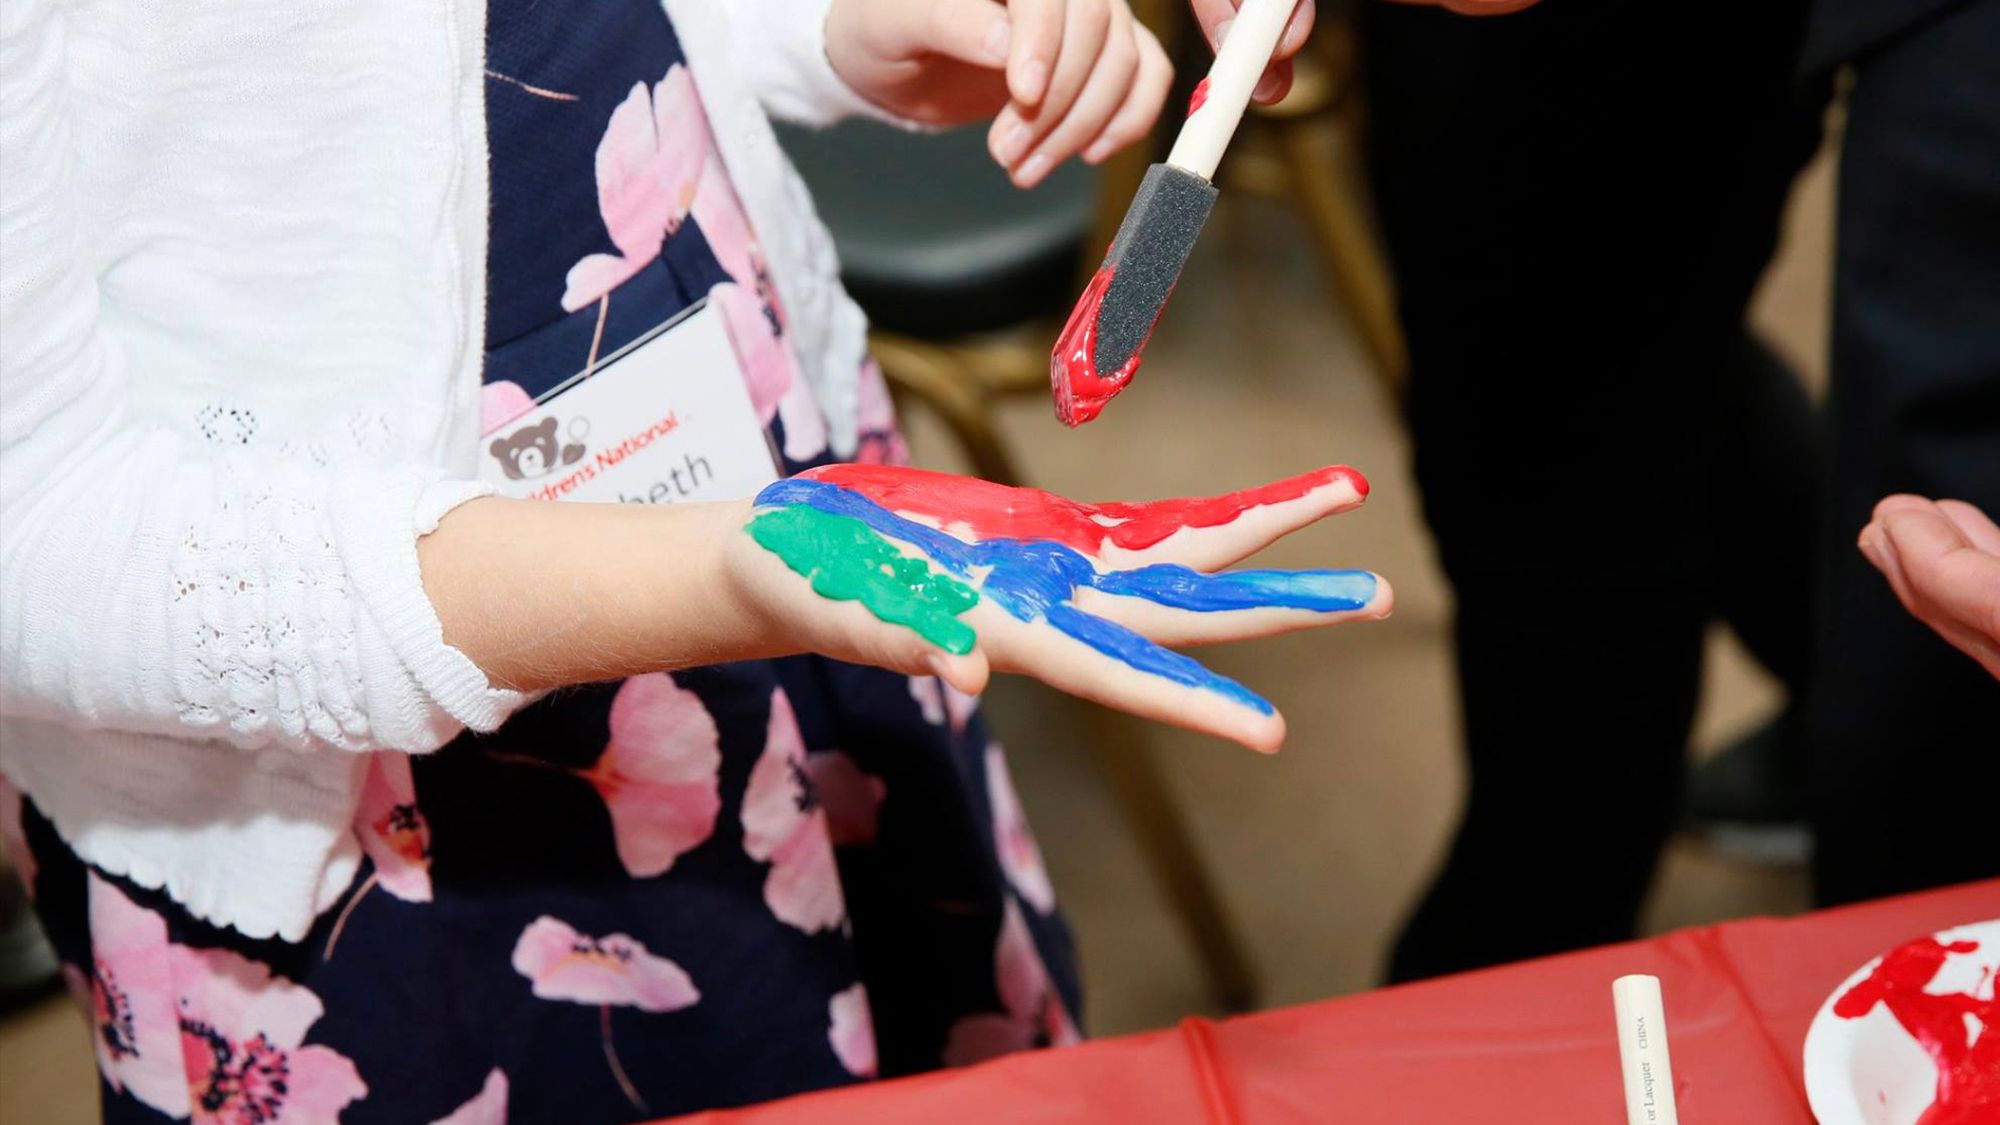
[1013, 842]
[770, 372]
[614, 969]
[13, 842]
[756, 317]
[849, 794]
[1035, 1015]
[851, 1031]
[393, 830]
[500, 402]
[242, 1031]
[785, 825]
[129, 1000]
[487, 1107]
[942, 703]
[393, 834]
[648, 164]
[727, 229]
[657, 774]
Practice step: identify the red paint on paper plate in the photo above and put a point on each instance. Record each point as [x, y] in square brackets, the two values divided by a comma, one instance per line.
[1081, 390]
[1967, 1060]
[1199, 98]
[996, 511]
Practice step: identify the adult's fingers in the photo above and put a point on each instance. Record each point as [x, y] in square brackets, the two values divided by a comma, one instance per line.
[1944, 570]
[1142, 105]
[1201, 609]
[1940, 577]
[1977, 527]
[1108, 81]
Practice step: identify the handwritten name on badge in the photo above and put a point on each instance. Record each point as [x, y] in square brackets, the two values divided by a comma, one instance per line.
[666, 419]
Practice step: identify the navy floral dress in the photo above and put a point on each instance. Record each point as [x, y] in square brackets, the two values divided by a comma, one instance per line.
[636, 899]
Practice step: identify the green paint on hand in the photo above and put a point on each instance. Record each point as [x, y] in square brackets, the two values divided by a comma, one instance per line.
[845, 560]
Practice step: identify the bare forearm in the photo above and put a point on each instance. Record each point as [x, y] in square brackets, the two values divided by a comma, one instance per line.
[540, 595]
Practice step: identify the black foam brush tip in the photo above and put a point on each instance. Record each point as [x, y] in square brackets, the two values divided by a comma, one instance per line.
[1100, 346]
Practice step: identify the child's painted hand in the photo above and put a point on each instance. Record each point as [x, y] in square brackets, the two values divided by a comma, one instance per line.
[1058, 77]
[929, 572]
[1943, 560]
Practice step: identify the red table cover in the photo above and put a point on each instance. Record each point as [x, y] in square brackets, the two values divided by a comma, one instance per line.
[1532, 1042]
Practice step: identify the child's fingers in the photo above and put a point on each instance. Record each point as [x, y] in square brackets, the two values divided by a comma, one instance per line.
[1142, 105]
[1069, 665]
[1483, 7]
[1037, 40]
[1205, 533]
[1213, 532]
[1108, 81]
[971, 31]
[1215, 16]
[797, 618]
[1087, 28]
[1296, 30]
[1319, 598]
[1212, 14]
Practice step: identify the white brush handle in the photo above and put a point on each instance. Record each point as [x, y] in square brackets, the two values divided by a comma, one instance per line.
[1642, 1051]
[1244, 54]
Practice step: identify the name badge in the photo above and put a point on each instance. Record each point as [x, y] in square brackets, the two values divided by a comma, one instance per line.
[665, 419]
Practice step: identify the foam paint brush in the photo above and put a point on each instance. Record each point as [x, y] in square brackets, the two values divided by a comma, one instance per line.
[1100, 346]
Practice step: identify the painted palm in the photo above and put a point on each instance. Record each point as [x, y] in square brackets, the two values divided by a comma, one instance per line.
[1087, 597]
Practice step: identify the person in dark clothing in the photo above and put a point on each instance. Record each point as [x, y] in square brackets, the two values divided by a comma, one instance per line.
[1577, 201]
[1906, 729]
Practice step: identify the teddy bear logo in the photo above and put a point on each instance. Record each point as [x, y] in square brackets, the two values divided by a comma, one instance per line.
[535, 451]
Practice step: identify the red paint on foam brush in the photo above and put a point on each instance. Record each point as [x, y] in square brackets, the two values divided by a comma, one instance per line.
[996, 511]
[1081, 390]
[1968, 1073]
[1199, 98]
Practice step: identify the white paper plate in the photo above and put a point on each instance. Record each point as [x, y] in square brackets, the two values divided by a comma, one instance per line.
[1868, 1070]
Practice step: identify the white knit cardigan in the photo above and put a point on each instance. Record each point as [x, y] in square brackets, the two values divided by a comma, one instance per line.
[242, 302]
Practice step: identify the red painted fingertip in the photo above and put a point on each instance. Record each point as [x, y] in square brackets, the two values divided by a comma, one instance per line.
[1350, 474]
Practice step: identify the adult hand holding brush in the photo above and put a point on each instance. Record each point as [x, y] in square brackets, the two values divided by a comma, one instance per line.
[1058, 77]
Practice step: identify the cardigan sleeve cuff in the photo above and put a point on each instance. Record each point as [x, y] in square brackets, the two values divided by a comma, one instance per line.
[781, 47]
[422, 691]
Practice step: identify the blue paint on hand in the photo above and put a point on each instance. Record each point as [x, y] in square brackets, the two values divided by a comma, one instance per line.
[1035, 580]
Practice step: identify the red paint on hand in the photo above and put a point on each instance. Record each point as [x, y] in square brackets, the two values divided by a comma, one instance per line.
[1968, 1073]
[997, 511]
[1199, 98]
[1080, 389]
